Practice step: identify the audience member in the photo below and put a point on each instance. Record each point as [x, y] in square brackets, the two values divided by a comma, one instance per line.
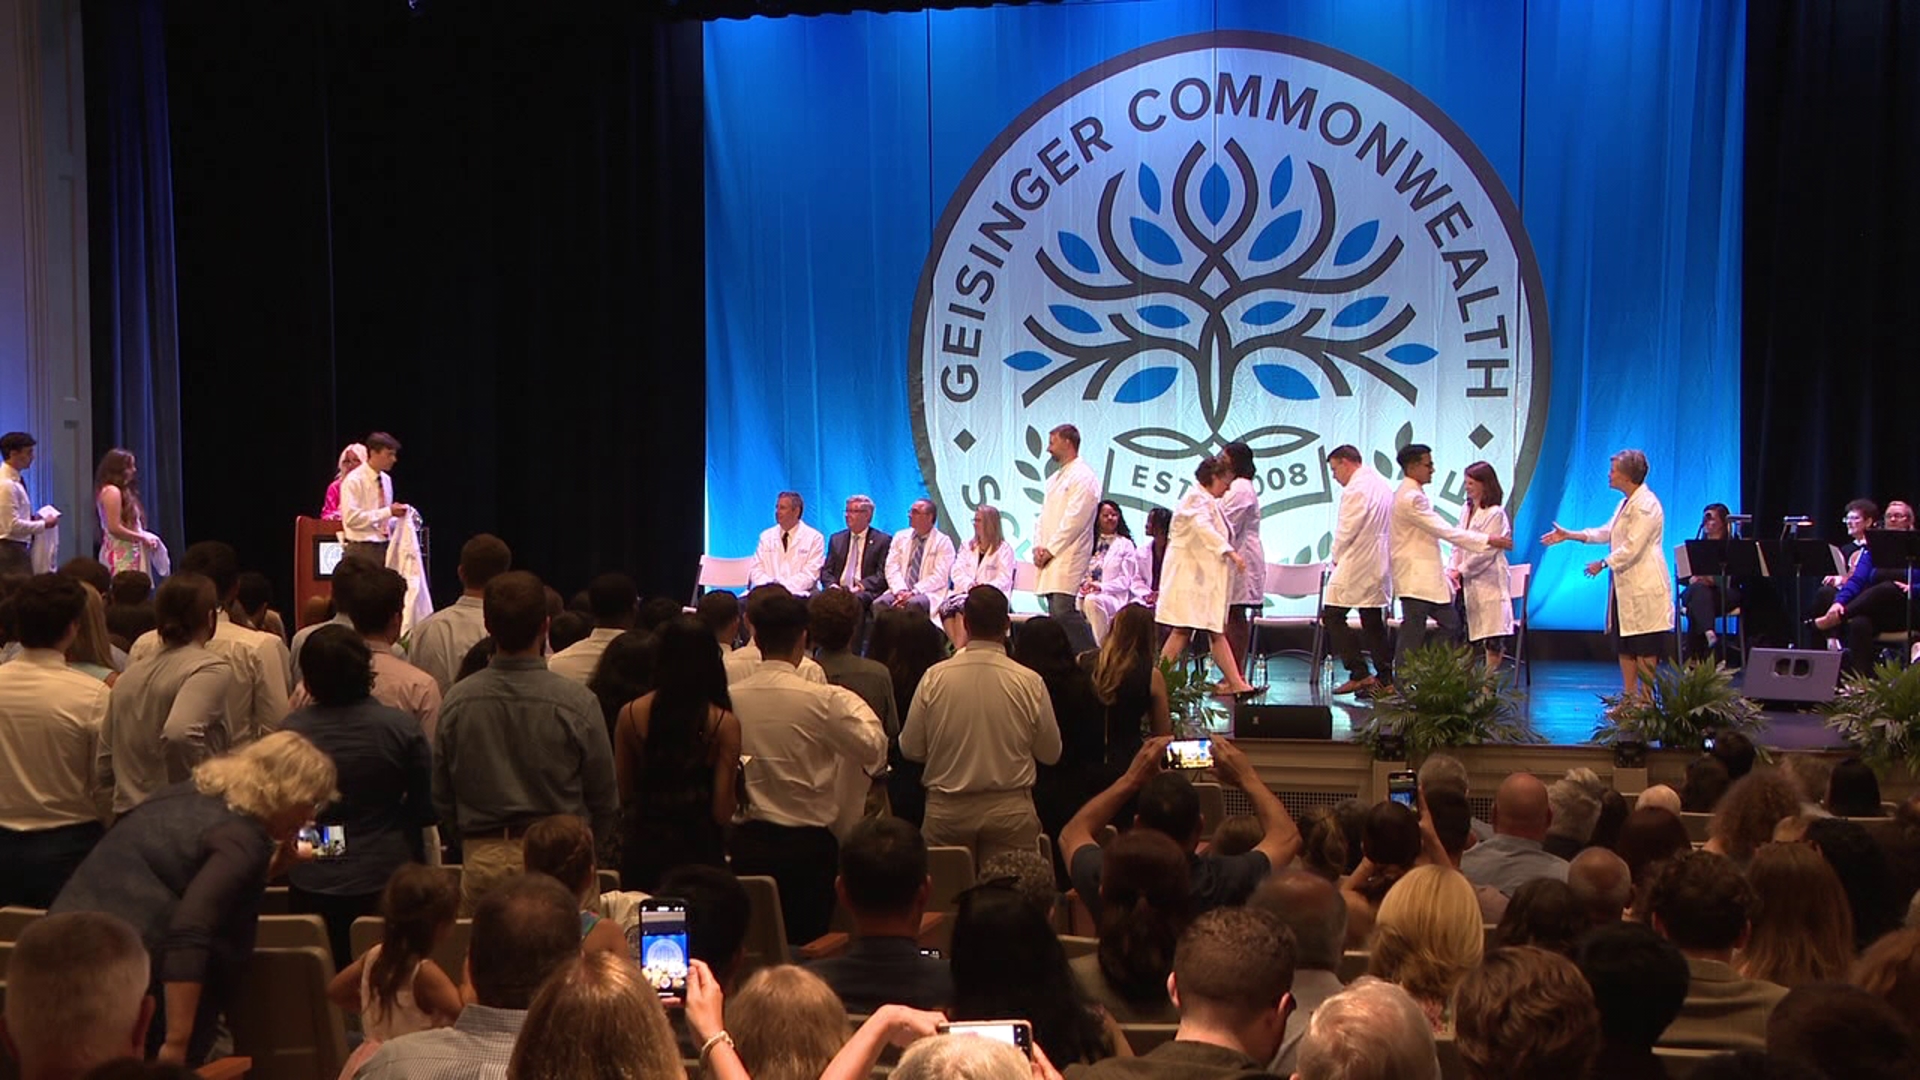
[54, 719]
[386, 784]
[1890, 969]
[1008, 965]
[525, 929]
[1526, 1013]
[1659, 796]
[475, 661]
[1428, 935]
[799, 735]
[1651, 836]
[615, 603]
[1574, 803]
[883, 885]
[1060, 789]
[372, 601]
[1736, 752]
[624, 674]
[1444, 772]
[1613, 815]
[719, 612]
[261, 675]
[834, 616]
[1237, 835]
[130, 608]
[441, 640]
[1545, 915]
[561, 847]
[910, 647]
[188, 868]
[1146, 901]
[1027, 871]
[254, 601]
[396, 987]
[1843, 1031]
[567, 629]
[1745, 816]
[1639, 982]
[1232, 977]
[1129, 683]
[516, 743]
[1864, 874]
[1323, 843]
[76, 995]
[656, 612]
[1167, 803]
[1601, 884]
[786, 1024]
[961, 1057]
[1810, 774]
[1699, 901]
[1802, 928]
[980, 723]
[746, 659]
[1451, 820]
[594, 1019]
[1853, 790]
[92, 651]
[1372, 1031]
[1390, 844]
[1516, 854]
[1706, 780]
[1309, 906]
[717, 914]
[676, 754]
[168, 713]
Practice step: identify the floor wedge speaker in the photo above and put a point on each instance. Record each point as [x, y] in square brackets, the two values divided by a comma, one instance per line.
[1258, 721]
[1792, 674]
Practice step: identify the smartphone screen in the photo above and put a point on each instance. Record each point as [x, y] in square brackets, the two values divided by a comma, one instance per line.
[662, 954]
[1189, 754]
[1015, 1033]
[1404, 788]
[326, 841]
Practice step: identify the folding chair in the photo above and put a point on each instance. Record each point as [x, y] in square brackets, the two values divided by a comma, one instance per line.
[721, 572]
[282, 1018]
[292, 932]
[1026, 578]
[1294, 581]
[1519, 580]
[766, 943]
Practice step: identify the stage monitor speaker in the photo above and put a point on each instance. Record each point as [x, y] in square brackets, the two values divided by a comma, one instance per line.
[1254, 721]
[1792, 674]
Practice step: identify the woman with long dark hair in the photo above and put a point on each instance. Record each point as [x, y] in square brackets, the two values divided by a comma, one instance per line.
[1060, 789]
[1247, 593]
[676, 752]
[1008, 965]
[1113, 571]
[1482, 577]
[908, 644]
[1128, 681]
[1146, 901]
[125, 543]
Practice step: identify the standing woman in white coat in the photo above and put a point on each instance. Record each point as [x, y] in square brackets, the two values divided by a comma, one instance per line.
[1481, 576]
[1198, 571]
[1640, 604]
[1112, 571]
[1247, 592]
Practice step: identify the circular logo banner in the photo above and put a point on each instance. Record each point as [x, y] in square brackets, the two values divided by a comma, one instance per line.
[1231, 236]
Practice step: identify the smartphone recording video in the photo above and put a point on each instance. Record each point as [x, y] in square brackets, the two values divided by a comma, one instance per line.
[1404, 788]
[662, 952]
[1189, 754]
[326, 841]
[1015, 1033]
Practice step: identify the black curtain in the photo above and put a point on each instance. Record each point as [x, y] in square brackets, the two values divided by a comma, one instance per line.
[1831, 400]
[478, 227]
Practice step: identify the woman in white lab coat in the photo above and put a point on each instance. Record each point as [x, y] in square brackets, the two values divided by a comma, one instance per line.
[1481, 576]
[1247, 593]
[1112, 571]
[1640, 604]
[987, 559]
[1198, 571]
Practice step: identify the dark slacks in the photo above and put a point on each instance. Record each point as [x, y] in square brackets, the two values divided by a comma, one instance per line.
[1345, 644]
[39, 862]
[1879, 609]
[802, 861]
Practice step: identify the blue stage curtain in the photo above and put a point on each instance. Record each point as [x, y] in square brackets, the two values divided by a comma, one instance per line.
[136, 342]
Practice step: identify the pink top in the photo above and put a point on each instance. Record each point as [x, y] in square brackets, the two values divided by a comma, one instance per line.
[330, 506]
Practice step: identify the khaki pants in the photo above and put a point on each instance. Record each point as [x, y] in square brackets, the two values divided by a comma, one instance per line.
[487, 861]
[986, 823]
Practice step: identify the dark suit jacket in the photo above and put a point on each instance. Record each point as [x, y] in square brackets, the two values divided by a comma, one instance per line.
[873, 565]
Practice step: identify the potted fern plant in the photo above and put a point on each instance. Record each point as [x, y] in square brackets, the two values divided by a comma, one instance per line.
[1879, 713]
[1441, 697]
[1195, 710]
[1681, 706]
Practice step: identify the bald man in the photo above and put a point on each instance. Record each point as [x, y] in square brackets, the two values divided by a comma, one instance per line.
[1515, 855]
[1602, 885]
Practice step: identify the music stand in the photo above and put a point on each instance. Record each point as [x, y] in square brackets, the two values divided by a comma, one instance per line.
[1800, 558]
[1722, 560]
[1897, 550]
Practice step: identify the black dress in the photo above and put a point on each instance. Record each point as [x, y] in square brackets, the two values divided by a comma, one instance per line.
[1126, 716]
[1060, 789]
[668, 820]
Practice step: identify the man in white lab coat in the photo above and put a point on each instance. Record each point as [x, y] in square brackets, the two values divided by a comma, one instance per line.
[791, 552]
[1359, 572]
[1419, 573]
[1063, 541]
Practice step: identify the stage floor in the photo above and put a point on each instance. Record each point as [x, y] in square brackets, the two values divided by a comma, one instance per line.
[1562, 703]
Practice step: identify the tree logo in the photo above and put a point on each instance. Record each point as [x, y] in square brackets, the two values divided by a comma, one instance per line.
[1227, 236]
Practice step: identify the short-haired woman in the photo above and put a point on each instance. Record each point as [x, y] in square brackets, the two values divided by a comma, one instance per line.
[1198, 572]
[1640, 603]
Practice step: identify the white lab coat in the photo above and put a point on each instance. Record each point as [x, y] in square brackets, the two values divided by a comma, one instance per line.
[1637, 554]
[1195, 576]
[996, 569]
[1066, 527]
[797, 566]
[1484, 582]
[1119, 576]
[1413, 545]
[403, 557]
[1360, 542]
[1241, 507]
[936, 566]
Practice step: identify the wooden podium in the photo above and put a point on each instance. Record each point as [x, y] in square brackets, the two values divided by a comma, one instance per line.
[316, 550]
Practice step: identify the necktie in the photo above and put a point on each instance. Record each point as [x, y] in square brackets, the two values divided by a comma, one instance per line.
[786, 540]
[913, 564]
[854, 553]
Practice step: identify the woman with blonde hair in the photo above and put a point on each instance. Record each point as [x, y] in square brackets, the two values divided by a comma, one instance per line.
[188, 867]
[1427, 935]
[351, 458]
[1128, 681]
[1802, 927]
[987, 559]
[125, 543]
[595, 1019]
[91, 650]
[786, 1023]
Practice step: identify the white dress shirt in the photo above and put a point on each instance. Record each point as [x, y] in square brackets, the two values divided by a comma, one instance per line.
[1066, 527]
[578, 660]
[857, 543]
[16, 510]
[261, 671]
[996, 569]
[980, 720]
[1413, 538]
[795, 564]
[444, 638]
[51, 717]
[798, 736]
[936, 565]
[1360, 542]
[366, 498]
[398, 685]
[746, 660]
